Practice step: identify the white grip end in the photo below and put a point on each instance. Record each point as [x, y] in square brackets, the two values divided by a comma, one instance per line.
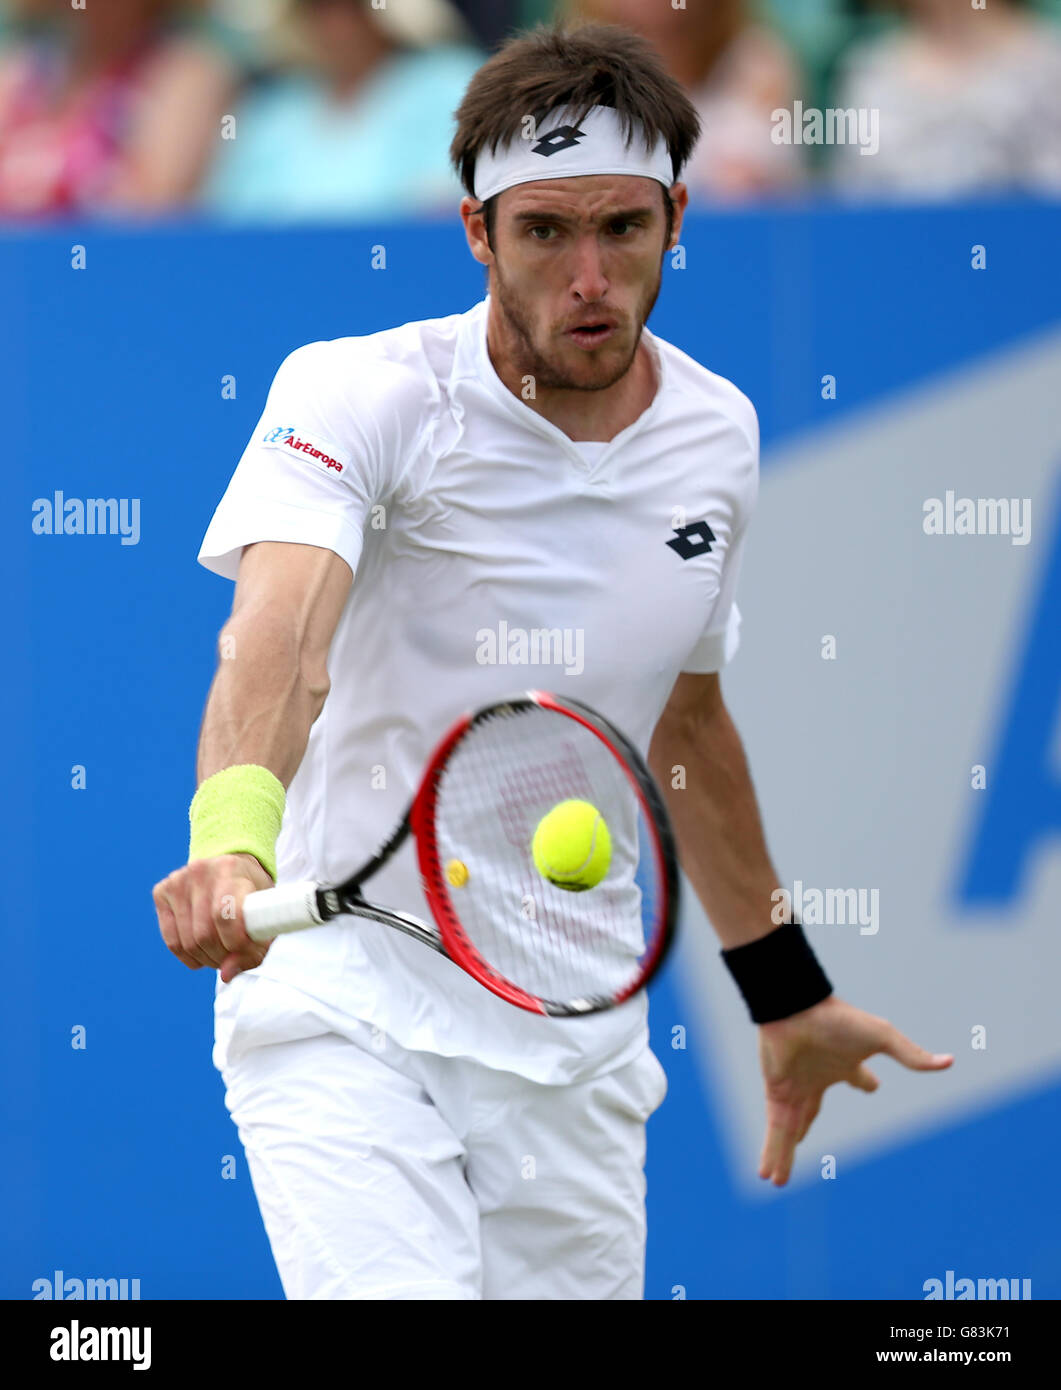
[273, 911]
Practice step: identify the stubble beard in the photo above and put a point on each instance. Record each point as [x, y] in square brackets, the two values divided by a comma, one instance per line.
[529, 361]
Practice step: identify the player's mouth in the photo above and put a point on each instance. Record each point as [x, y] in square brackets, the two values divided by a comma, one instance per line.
[592, 333]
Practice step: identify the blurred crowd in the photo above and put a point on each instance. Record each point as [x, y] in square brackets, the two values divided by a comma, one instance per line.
[284, 110]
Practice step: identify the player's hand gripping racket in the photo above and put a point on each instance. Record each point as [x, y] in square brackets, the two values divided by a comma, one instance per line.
[506, 910]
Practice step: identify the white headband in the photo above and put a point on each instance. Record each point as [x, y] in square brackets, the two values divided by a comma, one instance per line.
[561, 151]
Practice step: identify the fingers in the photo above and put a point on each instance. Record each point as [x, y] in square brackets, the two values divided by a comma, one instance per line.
[801, 1066]
[863, 1079]
[203, 926]
[200, 914]
[785, 1127]
[234, 965]
[246, 958]
[167, 923]
[904, 1050]
[171, 899]
[789, 1124]
[241, 952]
[810, 1114]
[237, 961]
[773, 1145]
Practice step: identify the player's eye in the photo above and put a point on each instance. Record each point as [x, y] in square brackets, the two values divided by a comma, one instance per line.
[623, 225]
[541, 227]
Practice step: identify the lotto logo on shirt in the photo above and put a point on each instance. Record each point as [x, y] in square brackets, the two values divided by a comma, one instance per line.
[287, 437]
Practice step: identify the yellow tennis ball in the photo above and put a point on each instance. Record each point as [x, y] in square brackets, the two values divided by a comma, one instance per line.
[457, 873]
[572, 846]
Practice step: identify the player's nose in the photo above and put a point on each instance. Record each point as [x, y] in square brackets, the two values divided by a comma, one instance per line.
[588, 281]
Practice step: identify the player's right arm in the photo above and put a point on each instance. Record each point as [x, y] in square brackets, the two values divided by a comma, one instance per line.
[270, 686]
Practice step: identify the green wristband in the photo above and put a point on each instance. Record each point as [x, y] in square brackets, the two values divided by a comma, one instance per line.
[238, 811]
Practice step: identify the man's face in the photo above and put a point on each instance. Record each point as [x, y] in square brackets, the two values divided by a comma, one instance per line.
[575, 268]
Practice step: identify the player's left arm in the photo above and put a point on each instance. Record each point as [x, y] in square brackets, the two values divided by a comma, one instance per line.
[723, 852]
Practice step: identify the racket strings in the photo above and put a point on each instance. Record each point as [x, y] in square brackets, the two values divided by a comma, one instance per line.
[504, 776]
[526, 787]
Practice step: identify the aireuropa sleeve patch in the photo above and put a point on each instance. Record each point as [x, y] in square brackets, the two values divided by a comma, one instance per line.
[328, 457]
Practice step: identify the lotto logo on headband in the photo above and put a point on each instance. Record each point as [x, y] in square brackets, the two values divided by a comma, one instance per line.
[562, 138]
[323, 453]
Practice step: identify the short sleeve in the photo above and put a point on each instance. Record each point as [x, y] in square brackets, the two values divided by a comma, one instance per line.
[718, 644]
[307, 476]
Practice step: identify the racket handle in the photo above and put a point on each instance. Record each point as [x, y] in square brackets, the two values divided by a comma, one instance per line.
[273, 911]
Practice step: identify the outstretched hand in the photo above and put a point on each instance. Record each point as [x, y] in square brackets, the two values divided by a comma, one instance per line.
[803, 1055]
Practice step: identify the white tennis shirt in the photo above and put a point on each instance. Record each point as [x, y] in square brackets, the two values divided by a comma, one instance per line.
[491, 554]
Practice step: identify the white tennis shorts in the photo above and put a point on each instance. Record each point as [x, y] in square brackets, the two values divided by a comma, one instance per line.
[387, 1174]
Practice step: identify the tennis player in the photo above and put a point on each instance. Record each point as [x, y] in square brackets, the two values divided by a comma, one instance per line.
[415, 508]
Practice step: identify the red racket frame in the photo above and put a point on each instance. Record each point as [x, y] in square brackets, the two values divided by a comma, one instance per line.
[458, 945]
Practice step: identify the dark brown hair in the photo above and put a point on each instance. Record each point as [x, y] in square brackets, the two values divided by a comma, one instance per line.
[546, 70]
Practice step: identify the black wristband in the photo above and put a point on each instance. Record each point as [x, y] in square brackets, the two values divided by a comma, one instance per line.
[778, 975]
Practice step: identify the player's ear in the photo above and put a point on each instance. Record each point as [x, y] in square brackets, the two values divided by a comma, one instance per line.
[475, 230]
[679, 196]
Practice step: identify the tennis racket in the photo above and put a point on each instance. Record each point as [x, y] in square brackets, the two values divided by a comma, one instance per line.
[486, 788]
